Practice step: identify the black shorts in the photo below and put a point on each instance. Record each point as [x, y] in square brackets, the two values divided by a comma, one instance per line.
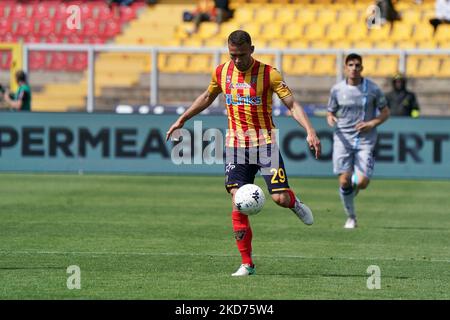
[242, 164]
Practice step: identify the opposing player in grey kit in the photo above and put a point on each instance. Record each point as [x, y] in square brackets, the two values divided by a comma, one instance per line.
[356, 107]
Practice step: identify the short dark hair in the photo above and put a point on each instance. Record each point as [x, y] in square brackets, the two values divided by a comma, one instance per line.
[353, 56]
[21, 76]
[239, 37]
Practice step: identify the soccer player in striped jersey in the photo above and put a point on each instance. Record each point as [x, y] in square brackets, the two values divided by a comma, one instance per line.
[356, 107]
[248, 86]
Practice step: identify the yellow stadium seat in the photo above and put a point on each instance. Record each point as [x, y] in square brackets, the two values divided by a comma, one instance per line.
[336, 32]
[293, 31]
[216, 42]
[428, 66]
[365, 44]
[272, 31]
[326, 16]
[200, 63]
[176, 63]
[443, 33]
[301, 65]
[314, 32]
[445, 68]
[386, 66]
[244, 14]
[423, 31]
[254, 29]
[406, 44]
[342, 44]
[228, 27]
[412, 65]
[348, 17]
[380, 34]
[357, 32]
[193, 42]
[286, 14]
[265, 15]
[325, 66]
[207, 30]
[260, 43]
[402, 31]
[298, 44]
[370, 65]
[278, 43]
[320, 44]
[411, 16]
[306, 15]
[428, 44]
[265, 58]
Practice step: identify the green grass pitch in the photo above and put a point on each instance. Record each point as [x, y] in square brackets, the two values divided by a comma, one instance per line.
[170, 237]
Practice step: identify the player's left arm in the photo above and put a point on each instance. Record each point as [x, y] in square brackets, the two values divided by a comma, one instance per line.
[382, 105]
[284, 93]
[16, 104]
[366, 126]
[299, 114]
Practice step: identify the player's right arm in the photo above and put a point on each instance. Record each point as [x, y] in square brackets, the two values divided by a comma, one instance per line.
[201, 103]
[332, 108]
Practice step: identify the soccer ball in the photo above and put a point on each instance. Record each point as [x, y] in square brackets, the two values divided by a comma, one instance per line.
[249, 199]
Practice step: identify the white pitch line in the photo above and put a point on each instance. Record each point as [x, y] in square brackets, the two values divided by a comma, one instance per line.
[93, 253]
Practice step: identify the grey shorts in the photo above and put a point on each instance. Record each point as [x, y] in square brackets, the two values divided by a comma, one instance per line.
[352, 157]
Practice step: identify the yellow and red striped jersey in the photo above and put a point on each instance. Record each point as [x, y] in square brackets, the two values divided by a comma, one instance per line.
[248, 99]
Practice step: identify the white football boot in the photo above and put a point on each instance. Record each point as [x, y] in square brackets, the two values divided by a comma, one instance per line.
[244, 270]
[350, 223]
[302, 211]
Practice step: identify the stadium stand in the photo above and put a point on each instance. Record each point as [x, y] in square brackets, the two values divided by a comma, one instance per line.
[280, 24]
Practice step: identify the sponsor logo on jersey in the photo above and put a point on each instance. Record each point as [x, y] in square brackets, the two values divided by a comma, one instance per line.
[245, 100]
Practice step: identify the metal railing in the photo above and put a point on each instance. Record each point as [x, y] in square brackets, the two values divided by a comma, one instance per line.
[153, 52]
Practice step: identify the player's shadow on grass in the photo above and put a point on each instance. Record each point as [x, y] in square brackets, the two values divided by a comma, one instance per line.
[32, 268]
[415, 228]
[325, 275]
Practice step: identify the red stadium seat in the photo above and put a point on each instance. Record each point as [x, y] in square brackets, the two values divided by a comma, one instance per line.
[74, 38]
[19, 11]
[37, 60]
[25, 27]
[46, 27]
[6, 26]
[5, 60]
[89, 27]
[111, 28]
[87, 10]
[42, 11]
[31, 38]
[10, 37]
[79, 63]
[104, 13]
[61, 12]
[95, 40]
[127, 13]
[53, 38]
[57, 61]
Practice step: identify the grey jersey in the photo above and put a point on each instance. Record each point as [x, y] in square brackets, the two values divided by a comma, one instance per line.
[353, 104]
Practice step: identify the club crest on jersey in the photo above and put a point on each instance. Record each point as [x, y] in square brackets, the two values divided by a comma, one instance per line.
[238, 100]
[239, 86]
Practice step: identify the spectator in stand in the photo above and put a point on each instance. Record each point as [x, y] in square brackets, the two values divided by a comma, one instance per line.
[223, 12]
[400, 101]
[208, 10]
[442, 14]
[21, 101]
[204, 11]
[114, 5]
[388, 12]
